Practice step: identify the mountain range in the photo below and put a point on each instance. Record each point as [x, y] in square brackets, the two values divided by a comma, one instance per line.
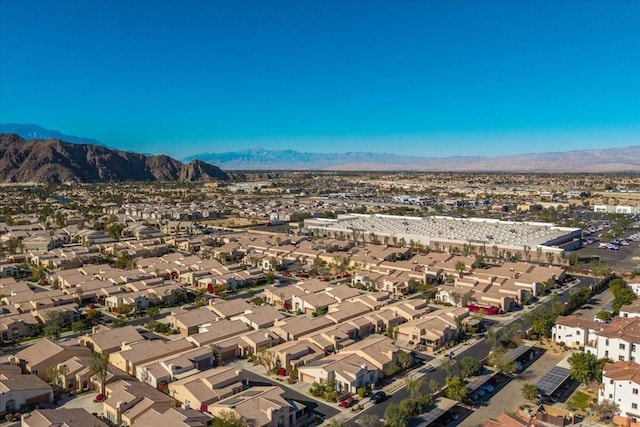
[626, 159]
[31, 131]
[52, 161]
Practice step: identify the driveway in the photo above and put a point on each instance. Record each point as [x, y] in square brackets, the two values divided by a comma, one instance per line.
[85, 401]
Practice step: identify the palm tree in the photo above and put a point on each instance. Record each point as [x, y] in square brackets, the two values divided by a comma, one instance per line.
[460, 267]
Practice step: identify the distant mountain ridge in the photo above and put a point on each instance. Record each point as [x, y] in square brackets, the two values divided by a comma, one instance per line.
[625, 159]
[53, 161]
[30, 131]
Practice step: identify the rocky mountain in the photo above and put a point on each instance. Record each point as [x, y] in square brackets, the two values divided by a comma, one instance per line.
[625, 159]
[30, 131]
[54, 161]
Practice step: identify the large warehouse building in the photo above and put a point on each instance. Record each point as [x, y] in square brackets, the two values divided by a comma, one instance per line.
[441, 232]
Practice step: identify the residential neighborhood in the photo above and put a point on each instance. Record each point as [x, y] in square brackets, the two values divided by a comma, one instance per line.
[154, 314]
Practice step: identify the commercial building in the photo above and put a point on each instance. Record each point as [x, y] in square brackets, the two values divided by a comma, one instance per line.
[440, 232]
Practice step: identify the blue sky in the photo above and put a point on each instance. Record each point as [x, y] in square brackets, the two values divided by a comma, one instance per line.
[418, 77]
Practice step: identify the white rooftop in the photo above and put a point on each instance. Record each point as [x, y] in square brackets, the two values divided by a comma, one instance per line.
[441, 228]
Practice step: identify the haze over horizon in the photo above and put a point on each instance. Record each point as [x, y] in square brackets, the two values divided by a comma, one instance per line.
[415, 78]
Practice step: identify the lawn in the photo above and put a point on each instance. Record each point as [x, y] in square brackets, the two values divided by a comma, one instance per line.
[580, 400]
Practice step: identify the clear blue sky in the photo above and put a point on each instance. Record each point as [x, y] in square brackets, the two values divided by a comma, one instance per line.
[418, 77]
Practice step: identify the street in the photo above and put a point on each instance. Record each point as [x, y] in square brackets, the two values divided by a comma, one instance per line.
[480, 350]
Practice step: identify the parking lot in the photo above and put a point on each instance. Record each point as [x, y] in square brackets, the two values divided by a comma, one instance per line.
[625, 259]
[509, 397]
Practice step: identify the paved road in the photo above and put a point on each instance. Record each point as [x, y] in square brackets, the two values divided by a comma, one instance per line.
[478, 351]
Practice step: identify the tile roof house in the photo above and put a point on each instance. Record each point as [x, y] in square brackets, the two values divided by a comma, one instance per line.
[61, 417]
[200, 390]
[177, 366]
[217, 331]
[105, 340]
[187, 322]
[262, 407]
[128, 400]
[174, 417]
[349, 371]
[259, 317]
[18, 389]
[138, 353]
[228, 308]
[39, 356]
[293, 354]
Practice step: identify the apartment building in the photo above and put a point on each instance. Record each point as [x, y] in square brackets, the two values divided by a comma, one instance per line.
[619, 341]
[574, 331]
[621, 384]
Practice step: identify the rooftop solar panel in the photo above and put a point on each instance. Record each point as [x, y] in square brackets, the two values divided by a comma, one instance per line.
[513, 354]
[553, 379]
[431, 416]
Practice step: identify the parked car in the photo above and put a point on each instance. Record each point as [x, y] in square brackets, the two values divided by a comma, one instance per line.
[378, 397]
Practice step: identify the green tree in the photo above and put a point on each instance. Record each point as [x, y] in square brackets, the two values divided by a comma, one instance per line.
[266, 358]
[78, 326]
[391, 369]
[54, 321]
[622, 294]
[604, 315]
[586, 367]
[574, 259]
[395, 416]
[99, 368]
[598, 268]
[118, 322]
[414, 386]
[392, 332]
[434, 386]
[405, 360]
[530, 392]
[469, 367]
[56, 375]
[578, 297]
[38, 273]
[269, 277]
[93, 314]
[153, 312]
[449, 366]
[498, 360]
[460, 267]
[455, 389]
[605, 409]
[411, 408]
[228, 418]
